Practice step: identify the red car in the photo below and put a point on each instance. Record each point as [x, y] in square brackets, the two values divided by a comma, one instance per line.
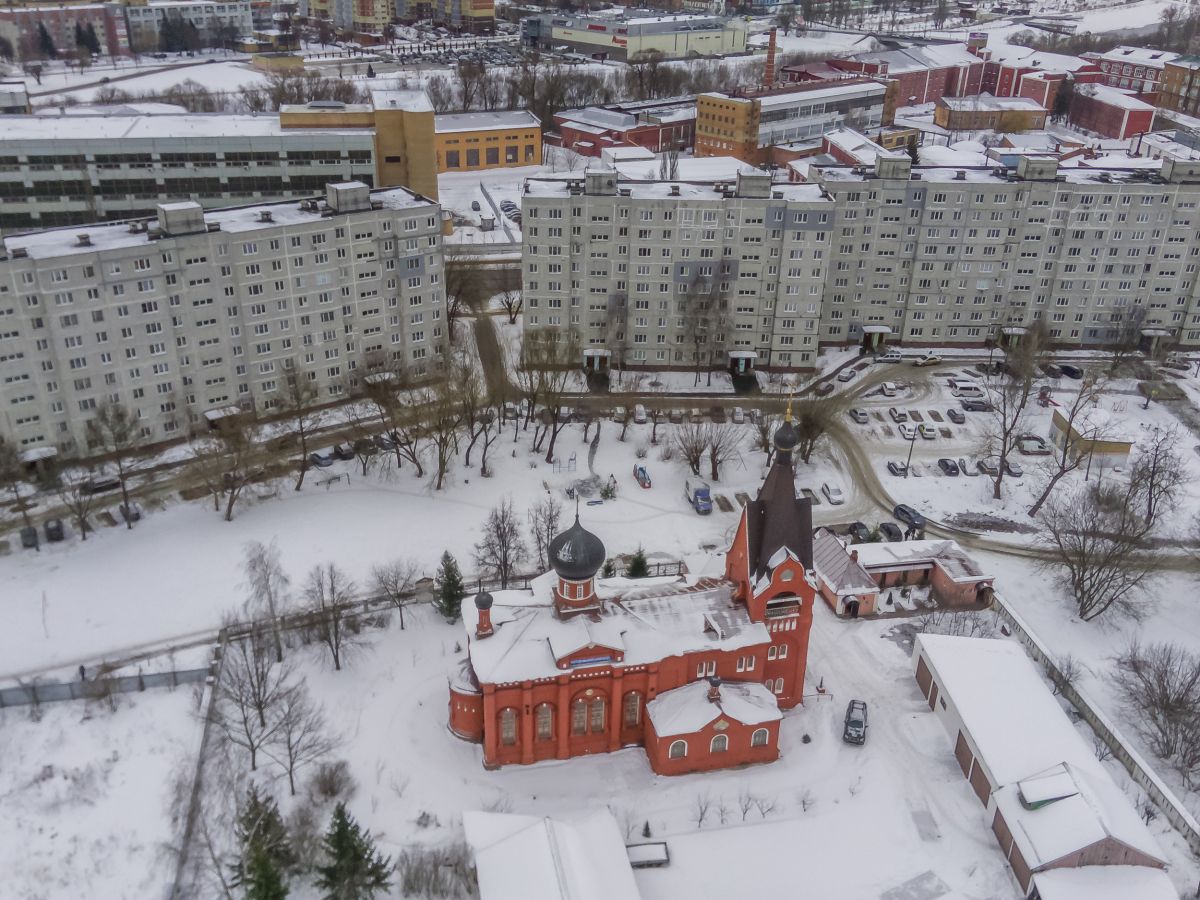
[641, 476]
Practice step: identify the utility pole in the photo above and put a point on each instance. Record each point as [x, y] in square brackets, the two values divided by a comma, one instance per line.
[908, 463]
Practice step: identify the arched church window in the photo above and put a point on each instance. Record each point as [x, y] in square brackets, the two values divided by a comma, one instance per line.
[760, 737]
[719, 744]
[579, 711]
[598, 715]
[678, 750]
[544, 721]
[508, 726]
[632, 713]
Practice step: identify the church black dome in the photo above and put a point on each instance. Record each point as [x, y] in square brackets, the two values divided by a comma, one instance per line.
[483, 600]
[576, 554]
[786, 436]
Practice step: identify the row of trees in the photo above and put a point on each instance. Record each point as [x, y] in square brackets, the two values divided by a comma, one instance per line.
[278, 89]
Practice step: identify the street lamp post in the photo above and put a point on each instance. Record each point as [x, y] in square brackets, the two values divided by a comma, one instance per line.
[908, 463]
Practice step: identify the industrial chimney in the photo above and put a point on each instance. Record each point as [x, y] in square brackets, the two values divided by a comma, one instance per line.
[769, 73]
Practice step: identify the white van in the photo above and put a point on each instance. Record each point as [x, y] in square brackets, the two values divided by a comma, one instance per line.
[964, 387]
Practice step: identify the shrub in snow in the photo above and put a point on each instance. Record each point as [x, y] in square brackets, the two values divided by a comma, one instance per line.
[642, 451]
[332, 781]
[437, 871]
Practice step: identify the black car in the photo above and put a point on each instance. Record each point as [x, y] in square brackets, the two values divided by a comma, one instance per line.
[897, 468]
[890, 531]
[855, 729]
[859, 532]
[947, 465]
[54, 530]
[976, 405]
[342, 451]
[1071, 371]
[909, 516]
[956, 416]
[100, 484]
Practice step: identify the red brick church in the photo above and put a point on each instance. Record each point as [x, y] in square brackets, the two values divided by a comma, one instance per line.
[697, 671]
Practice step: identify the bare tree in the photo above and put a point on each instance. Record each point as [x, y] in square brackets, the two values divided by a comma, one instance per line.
[12, 477]
[464, 287]
[443, 421]
[555, 358]
[510, 299]
[812, 418]
[300, 737]
[266, 587]
[395, 581]
[1160, 684]
[700, 807]
[1159, 474]
[1126, 339]
[544, 517]
[228, 462]
[1094, 537]
[298, 402]
[400, 412]
[1080, 428]
[692, 440]
[78, 497]
[251, 689]
[502, 548]
[724, 446]
[329, 593]
[1011, 396]
[116, 434]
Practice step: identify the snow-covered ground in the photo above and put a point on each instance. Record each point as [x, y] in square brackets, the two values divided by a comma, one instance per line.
[218, 77]
[91, 796]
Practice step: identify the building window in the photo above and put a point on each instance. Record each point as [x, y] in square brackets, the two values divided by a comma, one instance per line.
[760, 737]
[778, 686]
[492, 155]
[452, 159]
[579, 717]
[508, 727]
[544, 722]
[678, 750]
[598, 715]
[719, 744]
[783, 651]
[472, 159]
[632, 713]
[772, 652]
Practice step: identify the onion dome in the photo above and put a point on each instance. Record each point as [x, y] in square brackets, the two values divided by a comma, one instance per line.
[786, 436]
[483, 600]
[576, 554]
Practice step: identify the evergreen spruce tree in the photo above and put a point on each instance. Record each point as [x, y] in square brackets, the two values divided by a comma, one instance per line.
[263, 879]
[637, 567]
[609, 570]
[80, 40]
[45, 42]
[261, 833]
[91, 40]
[354, 870]
[450, 590]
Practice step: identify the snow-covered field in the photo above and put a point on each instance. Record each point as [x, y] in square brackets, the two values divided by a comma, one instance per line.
[218, 77]
[90, 795]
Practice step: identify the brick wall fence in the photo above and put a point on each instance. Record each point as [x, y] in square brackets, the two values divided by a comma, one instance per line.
[1162, 796]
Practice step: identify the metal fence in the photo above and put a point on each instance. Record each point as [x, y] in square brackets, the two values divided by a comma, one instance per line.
[33, 693]
[1141, 773]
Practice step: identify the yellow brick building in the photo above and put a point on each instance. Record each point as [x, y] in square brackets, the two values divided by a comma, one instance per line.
[467, 142]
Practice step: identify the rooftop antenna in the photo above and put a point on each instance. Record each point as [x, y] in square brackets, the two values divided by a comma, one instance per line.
[577, 507]
[787, 416]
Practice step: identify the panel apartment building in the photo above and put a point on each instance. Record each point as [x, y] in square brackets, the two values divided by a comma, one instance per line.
[919, 256]
[195, 314]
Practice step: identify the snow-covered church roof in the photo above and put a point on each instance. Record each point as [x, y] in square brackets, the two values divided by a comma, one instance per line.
[688, 709]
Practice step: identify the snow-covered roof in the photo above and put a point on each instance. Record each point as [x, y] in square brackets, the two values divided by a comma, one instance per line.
[915, 59]
[558, 186]
[1113, 97]
[1138, 56]
[1095, 809]
[1026, 57]
[705, 168]
[1095, 422]
[822, 95]
[988, 102]
[93, 124]
[857, 146]
[1105, 883]
[835, 566]
[65, 241]
[500, 120]
[946, 555]
[687, 709]
[408, 99]
[575, 857]
[937, 155]
[647, 620]
[1023, 737]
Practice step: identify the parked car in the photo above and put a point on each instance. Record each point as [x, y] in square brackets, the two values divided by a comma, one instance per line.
[949, 466]
[738, 416]
[675, 416]
[365, 447]
[755, 416]
[916, 470]
[846, 375]
[565, 414]
[384, 442]
[320, 460]
[890, 531]
[1050, 370]
[928, 359]
[132, 512]
[989, 466]
[620, 414]
[639, 415]
[908, 432]
[342, 451]
[718, 414]
[698, 495]
[1032, 445]
[641, 476]
[860, 416]
[976, 405]
[695, 415]
[1071, 371]
[896, 467]
[890, 356]
[854, 731]
[966, 468]
[908, 516]
[1013, 468]
[956, 416]
[29, 537]
[833, 494]
[888, 388]
[898, 415]
[824, 389]
[927, 431]
[859, 532]
[54, 530]
[100, 484]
